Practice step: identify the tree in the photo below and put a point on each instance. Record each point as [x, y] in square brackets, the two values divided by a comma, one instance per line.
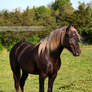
[28, 17]
[42, 11]
[59, 4]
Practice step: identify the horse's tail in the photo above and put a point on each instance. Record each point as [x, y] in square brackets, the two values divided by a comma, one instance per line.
[15, 67]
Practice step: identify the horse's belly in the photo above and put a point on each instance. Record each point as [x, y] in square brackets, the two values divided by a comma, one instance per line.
[29, 67]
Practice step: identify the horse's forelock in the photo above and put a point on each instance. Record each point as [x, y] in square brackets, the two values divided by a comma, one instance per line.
[74, 30]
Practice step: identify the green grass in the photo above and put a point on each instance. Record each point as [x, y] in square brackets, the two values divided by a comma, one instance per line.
[75, 74]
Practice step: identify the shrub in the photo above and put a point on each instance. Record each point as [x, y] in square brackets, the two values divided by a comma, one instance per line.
[34, 39]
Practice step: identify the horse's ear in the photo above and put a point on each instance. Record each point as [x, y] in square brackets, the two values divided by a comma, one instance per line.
[68, 27]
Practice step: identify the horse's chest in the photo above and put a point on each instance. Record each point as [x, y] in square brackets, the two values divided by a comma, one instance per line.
[50, 67]
[48, 64]
[53, 67]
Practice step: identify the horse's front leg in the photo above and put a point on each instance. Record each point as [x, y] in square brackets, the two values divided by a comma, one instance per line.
[51, 81]
[41, 83]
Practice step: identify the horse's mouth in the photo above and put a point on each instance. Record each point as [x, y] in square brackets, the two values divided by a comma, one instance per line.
[77, 53]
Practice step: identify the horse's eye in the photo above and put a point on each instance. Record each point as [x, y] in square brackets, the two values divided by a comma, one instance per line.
[73, 34]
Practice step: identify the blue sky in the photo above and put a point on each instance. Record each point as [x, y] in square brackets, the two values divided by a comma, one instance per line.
[12, 4]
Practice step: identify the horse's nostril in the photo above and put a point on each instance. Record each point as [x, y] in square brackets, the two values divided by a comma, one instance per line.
[77, 53]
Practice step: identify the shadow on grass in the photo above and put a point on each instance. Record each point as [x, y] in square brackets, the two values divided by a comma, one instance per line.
[72, 86]
[1, 91]
[67, 86]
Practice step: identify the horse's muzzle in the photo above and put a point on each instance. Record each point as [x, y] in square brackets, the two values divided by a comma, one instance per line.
[77, 53]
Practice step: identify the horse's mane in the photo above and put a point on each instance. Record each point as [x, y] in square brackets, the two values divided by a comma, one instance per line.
[54, 39]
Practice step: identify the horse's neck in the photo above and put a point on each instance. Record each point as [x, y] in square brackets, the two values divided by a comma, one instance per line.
[56, 53]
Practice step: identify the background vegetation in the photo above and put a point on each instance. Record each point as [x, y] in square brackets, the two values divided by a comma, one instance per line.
[57, 14]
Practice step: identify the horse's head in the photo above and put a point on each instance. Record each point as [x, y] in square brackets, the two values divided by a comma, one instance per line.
[71, 40]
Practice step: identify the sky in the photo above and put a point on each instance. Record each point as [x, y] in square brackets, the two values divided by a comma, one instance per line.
[22, 4]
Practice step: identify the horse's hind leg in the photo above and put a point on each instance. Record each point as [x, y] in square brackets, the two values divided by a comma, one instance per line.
[16, 76]
[22, 80]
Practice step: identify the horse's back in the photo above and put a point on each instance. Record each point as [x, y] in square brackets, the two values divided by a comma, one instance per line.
[20, 45]
[18, 49]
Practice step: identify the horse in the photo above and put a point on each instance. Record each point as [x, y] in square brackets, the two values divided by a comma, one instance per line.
[42, 59]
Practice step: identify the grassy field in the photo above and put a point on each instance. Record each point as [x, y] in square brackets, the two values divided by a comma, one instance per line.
[75, 74]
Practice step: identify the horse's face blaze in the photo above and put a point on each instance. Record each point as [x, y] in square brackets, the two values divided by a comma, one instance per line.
[71, 42]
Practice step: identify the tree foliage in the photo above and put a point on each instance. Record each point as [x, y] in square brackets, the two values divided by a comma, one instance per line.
[59, 4]
[59, 13]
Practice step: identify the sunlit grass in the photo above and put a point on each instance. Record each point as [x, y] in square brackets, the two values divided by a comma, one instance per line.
[75, 74]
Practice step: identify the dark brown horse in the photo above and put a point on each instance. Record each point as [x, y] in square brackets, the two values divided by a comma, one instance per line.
[44, 58]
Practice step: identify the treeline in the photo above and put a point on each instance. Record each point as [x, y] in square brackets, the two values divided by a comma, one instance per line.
[57, 14]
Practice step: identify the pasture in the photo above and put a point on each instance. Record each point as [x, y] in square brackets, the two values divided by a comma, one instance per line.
[75, 74]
